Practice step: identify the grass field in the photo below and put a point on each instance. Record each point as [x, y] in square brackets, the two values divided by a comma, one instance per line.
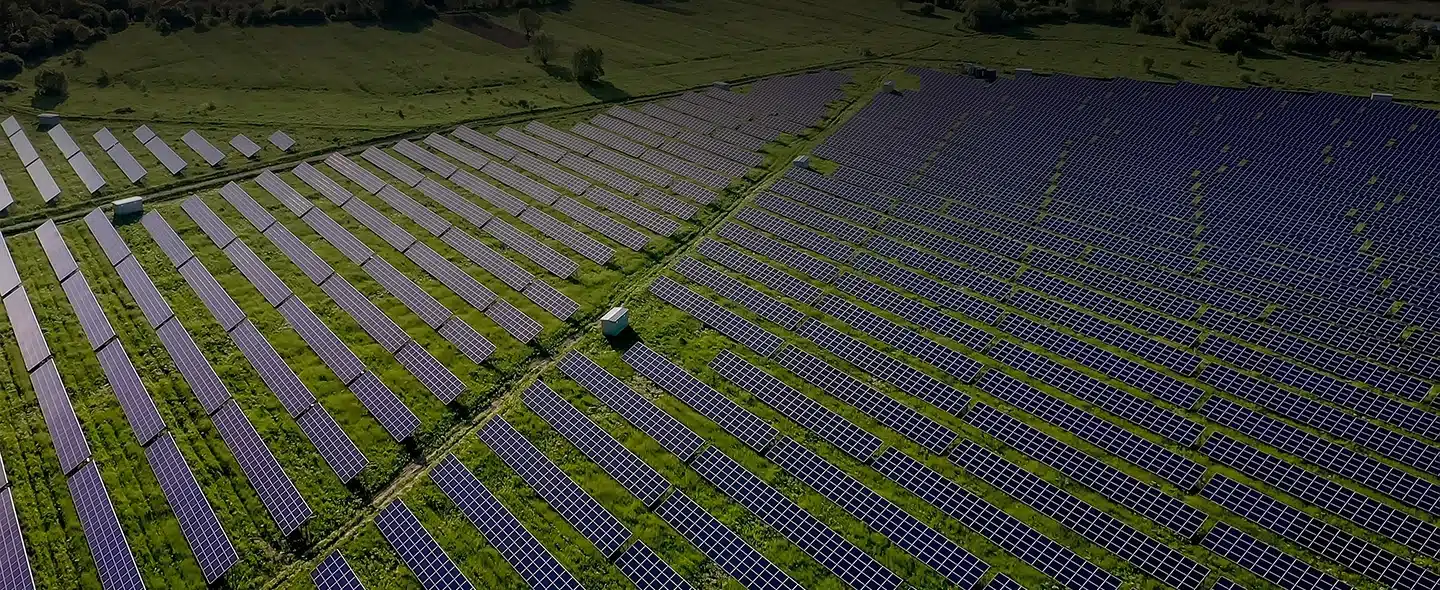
[338, 86]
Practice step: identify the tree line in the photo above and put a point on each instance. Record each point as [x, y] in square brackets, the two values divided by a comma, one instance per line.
[31, 30]
[1288, 26]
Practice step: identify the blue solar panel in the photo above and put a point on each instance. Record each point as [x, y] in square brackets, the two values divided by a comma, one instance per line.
[334, 573]
[14, 563]
[207, 538]
[425, 558]
[113, 561]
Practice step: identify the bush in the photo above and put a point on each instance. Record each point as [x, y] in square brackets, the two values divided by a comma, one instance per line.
[589, 64]
[1147, 64]
[927, 9]
[103, 79]
[1239, 58]
[983, 15]
[1230, 39]
[51, 82]
[10, 87]
[11, 65]
[117, 20]
[543, 47]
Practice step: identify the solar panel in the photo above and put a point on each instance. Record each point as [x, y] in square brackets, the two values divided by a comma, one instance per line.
[259, 275]
[532, 144]
[1265, 561]
[796, 406]
[170, 242]
[1004, 582]
[284, 193]
[1151, 556]
[140, 411]
[326, 344]
[55, 249]
[804, 262]
[739, 422]
[424, 158]
[388, 409]
[86, 171]
[761, 272]
[44, 182]
[735, 290]
[486, 143]
[246, 146]
[901, 375]
[247, 206]
[848, 562]
[790, 232]
[685, 168]
[375, 323]
[114, 563]
[904, 420]
[477, 295]
[92, 319]
[414, 211]
[489, 193]
[198, 374]
[167, 156]
[33, 348]
[629, 210]
[1088, 471]
[514, 321]
[667, 203]
[401, 287]
[201, 146]
[566, 140]
[432, 375]
[274, 372]
[720, 319]
[127, 162]
[339, 452]
[143, 133]
[105, 138]
[727, 549]
[638, 411]
[467, 210]
[647, 571]
[533, 249]
[500, 528]
[9, 276]
[379, 224]
[14, 563]
[694, 192]
[213, 227]
[347, 168]
[881, 515]
[339, 237]
[448, 147]
[271, 483]
[202, 530]
[630, 471]
[676, 118]
[6, 199]
[282, 141]
[334, 573]
[605, 175]
[609, 139]
[469, 342]
[11, 125]
[619, 232]
[405, 174]
[211, 294]
[532, 188]
[23, 147]
[421, 554]
[552, 300]
[1009, 533]
[60, 421]
[316, 269]
[629, 123]
[633, 167]
[483, 256]
[551, 174]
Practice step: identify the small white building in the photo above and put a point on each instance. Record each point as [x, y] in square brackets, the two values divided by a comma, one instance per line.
[614, 321]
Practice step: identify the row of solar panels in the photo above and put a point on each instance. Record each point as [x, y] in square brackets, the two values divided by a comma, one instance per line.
[741, 331]
[90, 176]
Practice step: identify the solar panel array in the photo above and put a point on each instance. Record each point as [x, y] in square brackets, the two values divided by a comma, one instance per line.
[334, 573]
[161, 150]
[638, 411]
[246, 146]
[418, 549]
[201, 146]
[720, 319]
[739, 422]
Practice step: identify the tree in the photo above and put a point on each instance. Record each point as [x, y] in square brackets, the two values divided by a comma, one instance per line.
[927, 9]
[589, 64]
[51, 82]
[530, 21]
[543, 46]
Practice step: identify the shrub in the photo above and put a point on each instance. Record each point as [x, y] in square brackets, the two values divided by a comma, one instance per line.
[984, 15]
[1147, 64]
[51, 82]
[589, 64]
[543, 47]
[10, 87]
[1239, 58]
[530, 21]
[103, 79]
[117, 20]
[927, 9]
[1230, 39]
[11, 65]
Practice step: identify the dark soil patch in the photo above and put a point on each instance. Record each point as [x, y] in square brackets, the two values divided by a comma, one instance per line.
[484, 27]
